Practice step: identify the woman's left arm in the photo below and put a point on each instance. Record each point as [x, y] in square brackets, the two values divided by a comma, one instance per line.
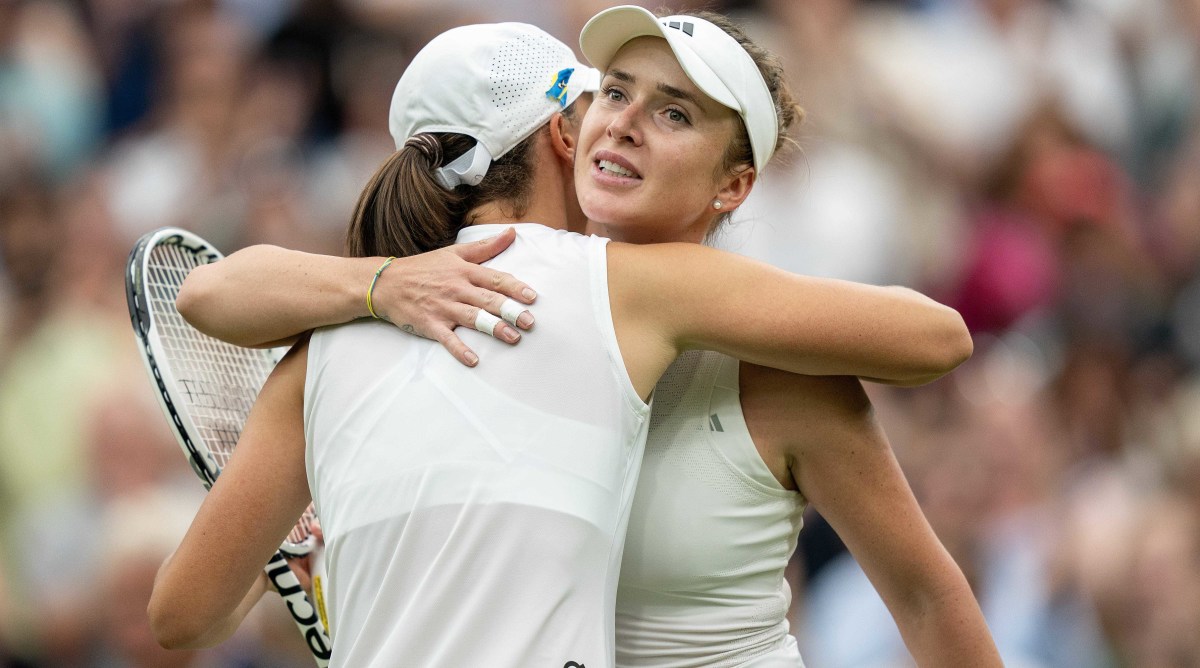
[843, 463]
[203, 591]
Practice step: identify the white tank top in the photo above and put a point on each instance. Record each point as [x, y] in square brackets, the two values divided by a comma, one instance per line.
[475, 517]
[711, 533]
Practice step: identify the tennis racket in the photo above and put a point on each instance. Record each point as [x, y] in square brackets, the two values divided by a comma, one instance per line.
[206, 388]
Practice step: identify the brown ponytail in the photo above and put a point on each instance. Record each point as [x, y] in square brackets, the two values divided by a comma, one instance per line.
[403, 210]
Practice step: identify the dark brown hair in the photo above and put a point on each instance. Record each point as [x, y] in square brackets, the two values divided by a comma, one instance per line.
[788, 111]
[403, 210]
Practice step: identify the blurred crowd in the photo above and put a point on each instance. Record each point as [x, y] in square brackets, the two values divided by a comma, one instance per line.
[1033, 163]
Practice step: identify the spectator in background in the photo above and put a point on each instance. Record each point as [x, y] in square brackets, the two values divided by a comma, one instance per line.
[364, 70]
[1151, 601]
[139, 530]
[177, 169]
[59, 541]
[29, 229]
[50, 109]
[1034, 162]
[838, 209]
[987, 474]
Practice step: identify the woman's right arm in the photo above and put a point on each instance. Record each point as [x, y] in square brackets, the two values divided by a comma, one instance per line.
[842, 463]
[203, 591]
[265, 296]
[672, 297]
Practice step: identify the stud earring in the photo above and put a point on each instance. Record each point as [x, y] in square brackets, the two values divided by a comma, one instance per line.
[717, 204]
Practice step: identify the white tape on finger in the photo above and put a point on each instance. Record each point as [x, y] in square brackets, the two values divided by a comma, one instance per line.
[486, 322]
[510, 310]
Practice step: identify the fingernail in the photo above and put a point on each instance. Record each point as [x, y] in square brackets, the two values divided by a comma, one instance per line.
[511, 335]
[472, 359]
[525, 320]
[529, 294]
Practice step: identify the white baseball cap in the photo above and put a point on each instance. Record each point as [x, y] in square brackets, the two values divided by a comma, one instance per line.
[496, 82]
[711, 58]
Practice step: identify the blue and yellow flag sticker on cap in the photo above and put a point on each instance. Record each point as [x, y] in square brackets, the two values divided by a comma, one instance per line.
[558, 90]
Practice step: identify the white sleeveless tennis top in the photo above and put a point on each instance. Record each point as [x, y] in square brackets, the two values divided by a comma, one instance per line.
[475, 517]
[711, 533]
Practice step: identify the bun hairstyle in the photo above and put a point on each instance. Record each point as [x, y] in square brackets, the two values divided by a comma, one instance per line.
[788, 111]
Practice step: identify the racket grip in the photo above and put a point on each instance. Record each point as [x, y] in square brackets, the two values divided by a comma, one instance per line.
[303, 612]
[320, 580]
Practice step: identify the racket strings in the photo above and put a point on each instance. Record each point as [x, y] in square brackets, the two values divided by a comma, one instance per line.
[219, 381]
[304, 527]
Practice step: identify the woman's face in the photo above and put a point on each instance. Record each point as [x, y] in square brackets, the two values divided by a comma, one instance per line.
[650, 149]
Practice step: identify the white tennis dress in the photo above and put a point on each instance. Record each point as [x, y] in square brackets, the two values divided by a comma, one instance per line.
[475, 517]
[711, 533]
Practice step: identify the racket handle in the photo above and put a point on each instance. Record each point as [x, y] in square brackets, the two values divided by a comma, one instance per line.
[320, 583]
[301, 609]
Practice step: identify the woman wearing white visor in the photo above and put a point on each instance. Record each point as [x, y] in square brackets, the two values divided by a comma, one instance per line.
[736, 451]
[652, 165]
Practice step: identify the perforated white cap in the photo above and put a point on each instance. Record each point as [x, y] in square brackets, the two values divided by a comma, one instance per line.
[710, 57]
[496, 82]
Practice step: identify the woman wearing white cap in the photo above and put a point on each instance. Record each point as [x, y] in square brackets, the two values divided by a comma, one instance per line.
[653, 129]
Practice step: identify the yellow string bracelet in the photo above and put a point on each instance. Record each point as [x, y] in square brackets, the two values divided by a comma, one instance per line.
[370, 306]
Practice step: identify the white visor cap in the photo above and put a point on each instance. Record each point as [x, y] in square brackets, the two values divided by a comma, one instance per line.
[711, 58]
[496, 82]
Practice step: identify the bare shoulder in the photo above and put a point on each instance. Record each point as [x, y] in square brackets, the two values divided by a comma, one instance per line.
[644, 260]
[803, 397]
[791, 416]
[670, 258]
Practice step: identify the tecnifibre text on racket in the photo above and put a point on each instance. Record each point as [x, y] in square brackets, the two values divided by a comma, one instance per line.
[206, 388]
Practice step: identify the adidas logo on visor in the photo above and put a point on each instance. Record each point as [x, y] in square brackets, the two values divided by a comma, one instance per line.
[686, 26]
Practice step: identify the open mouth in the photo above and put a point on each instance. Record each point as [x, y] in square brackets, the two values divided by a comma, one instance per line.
[614, 167]
[609, 167]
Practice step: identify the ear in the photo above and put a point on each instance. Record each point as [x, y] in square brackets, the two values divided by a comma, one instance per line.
[562, 138]
[736, 188]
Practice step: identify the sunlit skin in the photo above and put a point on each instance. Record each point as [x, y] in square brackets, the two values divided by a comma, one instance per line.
[665, 139]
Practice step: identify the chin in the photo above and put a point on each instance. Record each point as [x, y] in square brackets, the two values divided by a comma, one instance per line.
[610, 213]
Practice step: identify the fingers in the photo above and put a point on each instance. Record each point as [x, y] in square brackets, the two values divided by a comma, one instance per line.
[442, 290]
[486, 322]
[512, 312]
[483, 319]
[476, 310]
[457, 348]
[505, 285]
[498, 286]
[496, 281]
[301, 567]
[486, 249]
[495, 303]
[475, 318]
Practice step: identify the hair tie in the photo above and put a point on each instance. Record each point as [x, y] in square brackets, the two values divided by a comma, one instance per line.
[429, 146]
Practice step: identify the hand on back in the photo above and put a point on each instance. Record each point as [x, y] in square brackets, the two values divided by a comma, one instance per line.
[432, 293]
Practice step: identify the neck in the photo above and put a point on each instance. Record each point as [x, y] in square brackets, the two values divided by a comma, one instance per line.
[548, 204]
[652, 234]
[543, 210]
